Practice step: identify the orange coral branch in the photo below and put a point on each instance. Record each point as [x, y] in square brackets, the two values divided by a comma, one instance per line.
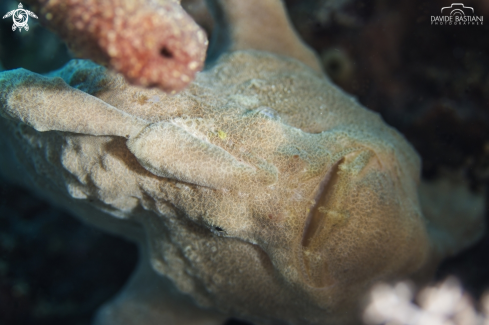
[151, 42]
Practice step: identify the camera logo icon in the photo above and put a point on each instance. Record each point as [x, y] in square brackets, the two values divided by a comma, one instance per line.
[457, 9]
[457, 14]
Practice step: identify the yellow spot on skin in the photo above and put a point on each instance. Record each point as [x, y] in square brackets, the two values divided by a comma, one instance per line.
[222, 135]
[142, 99]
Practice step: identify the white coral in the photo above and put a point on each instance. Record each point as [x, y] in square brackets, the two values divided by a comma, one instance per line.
[443, 304]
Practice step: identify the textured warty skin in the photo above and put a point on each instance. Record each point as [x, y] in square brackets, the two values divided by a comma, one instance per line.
[261, 191]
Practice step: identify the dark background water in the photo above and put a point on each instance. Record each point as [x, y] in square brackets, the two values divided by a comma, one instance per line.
[429, 81]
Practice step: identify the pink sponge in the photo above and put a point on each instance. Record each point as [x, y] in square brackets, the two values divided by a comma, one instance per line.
[153, 43]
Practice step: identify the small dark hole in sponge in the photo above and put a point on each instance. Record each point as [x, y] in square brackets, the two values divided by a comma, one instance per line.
[166, 53]
[218, 228]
